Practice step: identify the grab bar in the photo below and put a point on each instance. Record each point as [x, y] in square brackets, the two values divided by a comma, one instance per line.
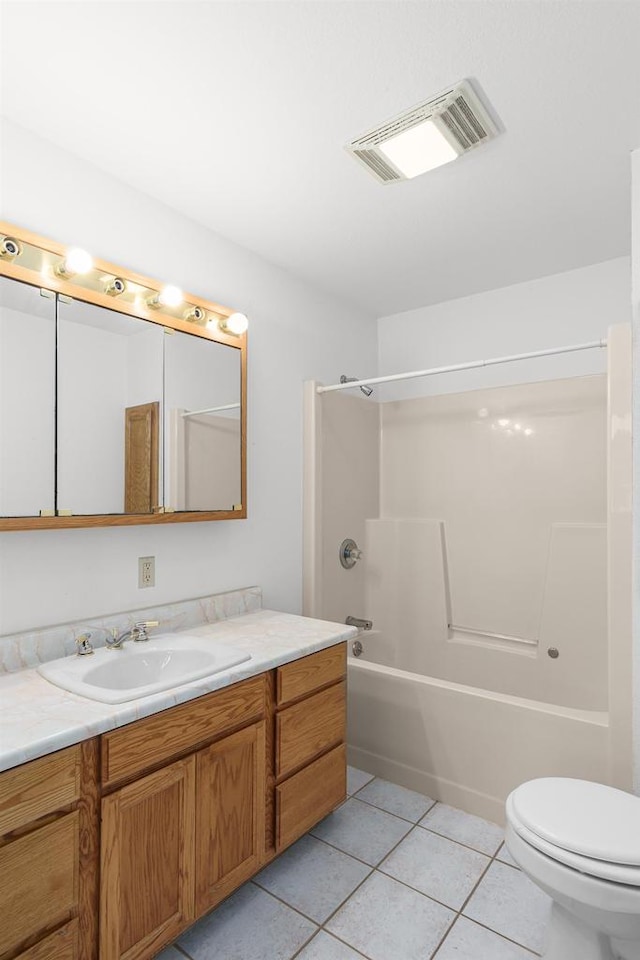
[492, 636]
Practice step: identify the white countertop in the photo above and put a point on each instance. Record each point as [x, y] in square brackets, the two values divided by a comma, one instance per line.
[37, 717]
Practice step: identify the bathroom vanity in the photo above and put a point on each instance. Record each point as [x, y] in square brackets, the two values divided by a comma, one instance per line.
[112, 846]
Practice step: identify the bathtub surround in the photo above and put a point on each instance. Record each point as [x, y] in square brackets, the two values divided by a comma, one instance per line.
[476, 529]
[297, 332]
[499, 528]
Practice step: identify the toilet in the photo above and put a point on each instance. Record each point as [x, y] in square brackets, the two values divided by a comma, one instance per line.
[580, 842]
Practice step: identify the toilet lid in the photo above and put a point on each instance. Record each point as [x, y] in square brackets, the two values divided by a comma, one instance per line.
[586, 818]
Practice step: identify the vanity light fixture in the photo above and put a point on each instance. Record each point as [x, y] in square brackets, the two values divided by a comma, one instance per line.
[76, 261]
[236, 324]
[115, 287]
[10, 248]
[195, 315]
[169, 296]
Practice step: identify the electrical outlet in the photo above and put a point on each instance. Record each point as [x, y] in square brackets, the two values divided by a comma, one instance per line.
[146, 572]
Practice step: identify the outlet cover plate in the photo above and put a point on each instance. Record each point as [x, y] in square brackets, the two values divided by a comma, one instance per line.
[146, 572]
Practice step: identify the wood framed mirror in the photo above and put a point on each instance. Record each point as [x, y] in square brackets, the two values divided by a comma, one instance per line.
[119, 404]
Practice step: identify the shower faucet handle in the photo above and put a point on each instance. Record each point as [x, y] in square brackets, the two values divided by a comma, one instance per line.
[349, 553]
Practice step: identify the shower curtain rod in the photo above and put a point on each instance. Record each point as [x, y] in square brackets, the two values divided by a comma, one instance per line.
[225, 406]
[453, 368]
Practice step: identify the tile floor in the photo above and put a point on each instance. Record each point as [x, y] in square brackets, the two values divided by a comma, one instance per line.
[391, 875]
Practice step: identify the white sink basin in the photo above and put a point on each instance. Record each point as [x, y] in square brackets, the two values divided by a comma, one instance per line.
[138, 669]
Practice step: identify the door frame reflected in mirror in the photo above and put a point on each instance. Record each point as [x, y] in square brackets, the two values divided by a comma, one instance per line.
[38, 263]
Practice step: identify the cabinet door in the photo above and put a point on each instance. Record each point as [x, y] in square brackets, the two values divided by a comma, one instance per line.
[147, 886]
[230, 814]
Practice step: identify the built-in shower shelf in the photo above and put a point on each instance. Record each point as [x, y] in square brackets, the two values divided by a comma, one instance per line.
[484, 638]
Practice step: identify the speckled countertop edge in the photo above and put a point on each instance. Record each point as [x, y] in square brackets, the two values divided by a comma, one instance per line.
[37, 718]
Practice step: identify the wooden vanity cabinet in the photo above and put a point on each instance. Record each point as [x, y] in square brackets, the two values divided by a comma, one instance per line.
[177, 841]
[147, 862]
[310, 732]
[48, 848]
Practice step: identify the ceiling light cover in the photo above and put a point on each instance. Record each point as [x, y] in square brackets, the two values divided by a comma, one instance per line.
[430, 134]
[419, 149]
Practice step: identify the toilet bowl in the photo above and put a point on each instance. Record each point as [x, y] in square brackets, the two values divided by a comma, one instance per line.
[580, 842]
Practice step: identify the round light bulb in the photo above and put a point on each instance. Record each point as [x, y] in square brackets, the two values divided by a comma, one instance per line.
[237, 324]
[170, 296]
[77, 261]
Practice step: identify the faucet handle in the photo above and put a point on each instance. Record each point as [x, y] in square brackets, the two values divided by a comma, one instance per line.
[141, 627]
[84, 645]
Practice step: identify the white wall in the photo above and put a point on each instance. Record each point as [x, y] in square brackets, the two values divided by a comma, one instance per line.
[566, 308]
[635, 297]
[297, 333]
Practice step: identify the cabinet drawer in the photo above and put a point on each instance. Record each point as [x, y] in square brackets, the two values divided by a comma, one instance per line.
[297, 679]
[310, 727]
[42, 786]
[308, 796]
[61, 945]
[38, 881]
[147, 743]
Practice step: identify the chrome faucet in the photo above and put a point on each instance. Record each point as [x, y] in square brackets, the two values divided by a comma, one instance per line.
[84, 645]
[136, 633]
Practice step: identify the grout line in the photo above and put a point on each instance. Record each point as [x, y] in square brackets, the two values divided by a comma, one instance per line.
[502, 936]
[372, 866]
[377, 869]
[460, 843]
[375, 806]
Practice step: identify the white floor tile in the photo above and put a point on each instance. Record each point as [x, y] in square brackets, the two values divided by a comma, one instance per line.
[436, 866]
[504, 855]
[387, 921]
[325, 947]
[397, 800]
[509, 903]
[464, 827]
[361, 830]
[356, 779]
[468, 941]
[313, 877]
[251, 925]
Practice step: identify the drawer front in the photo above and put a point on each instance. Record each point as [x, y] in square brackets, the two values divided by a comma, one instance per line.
[37, 788]
[38, 881]
[298, 679]
[304, 799]
[310, 727]
[61, 945]
[147, 743]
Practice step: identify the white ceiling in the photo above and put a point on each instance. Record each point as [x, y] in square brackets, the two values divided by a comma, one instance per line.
[235, 113]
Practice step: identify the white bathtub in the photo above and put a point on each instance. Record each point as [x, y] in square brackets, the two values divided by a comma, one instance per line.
[463, 745]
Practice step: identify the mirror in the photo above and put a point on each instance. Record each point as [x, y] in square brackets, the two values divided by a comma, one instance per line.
[27, 400]
[121, 401]
[108, 411]
[202, 448]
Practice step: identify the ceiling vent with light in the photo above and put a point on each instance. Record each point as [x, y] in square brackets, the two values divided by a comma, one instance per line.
[427, 136]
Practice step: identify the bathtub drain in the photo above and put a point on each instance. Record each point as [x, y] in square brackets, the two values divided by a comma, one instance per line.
[357, 648]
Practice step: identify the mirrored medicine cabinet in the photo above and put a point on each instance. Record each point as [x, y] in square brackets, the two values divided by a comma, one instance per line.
[114, 409]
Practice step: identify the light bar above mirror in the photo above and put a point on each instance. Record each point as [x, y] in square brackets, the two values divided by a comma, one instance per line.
[102, 381]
